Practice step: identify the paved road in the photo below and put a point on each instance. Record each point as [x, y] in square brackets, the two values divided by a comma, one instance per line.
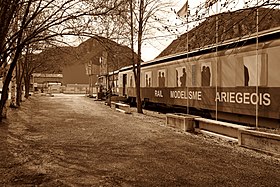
[70, 140]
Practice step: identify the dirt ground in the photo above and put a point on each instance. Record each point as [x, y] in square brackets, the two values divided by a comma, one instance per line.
[70, 140]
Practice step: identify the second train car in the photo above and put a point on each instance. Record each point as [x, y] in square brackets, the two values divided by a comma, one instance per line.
[238, 80]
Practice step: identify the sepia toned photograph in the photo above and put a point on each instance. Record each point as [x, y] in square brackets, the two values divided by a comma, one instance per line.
[139, 93]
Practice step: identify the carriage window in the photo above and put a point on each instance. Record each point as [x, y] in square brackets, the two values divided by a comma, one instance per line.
[246, 76]
[181, 77]
[131, 81]
[194, 75]
[206, 73]
[148, 79]
[255, 73]
[124, 79]
[161, 78]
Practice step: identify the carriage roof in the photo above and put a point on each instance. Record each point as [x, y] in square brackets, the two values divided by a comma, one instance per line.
[263, 36]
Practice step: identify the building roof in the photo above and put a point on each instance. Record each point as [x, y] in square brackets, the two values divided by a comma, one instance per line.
[231, 25]
[47, 75]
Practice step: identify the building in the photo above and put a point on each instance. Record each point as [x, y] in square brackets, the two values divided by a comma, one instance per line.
[47, 82]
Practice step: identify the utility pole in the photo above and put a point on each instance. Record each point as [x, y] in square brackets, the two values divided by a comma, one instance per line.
[257, 62]
[89, 73]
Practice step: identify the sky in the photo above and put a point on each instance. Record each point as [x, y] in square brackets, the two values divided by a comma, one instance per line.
[176, 26]
[153, 47]
[156, 43]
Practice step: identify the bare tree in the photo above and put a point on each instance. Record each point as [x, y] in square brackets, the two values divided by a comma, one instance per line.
[23, 22]
[144, 15]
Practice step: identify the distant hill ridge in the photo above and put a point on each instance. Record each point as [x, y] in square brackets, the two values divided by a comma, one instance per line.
[89, 51]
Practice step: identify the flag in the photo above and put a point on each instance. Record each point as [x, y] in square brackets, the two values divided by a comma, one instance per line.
[184, 10]
[209, 3]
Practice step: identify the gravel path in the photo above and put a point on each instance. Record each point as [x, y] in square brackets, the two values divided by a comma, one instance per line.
[71, 140]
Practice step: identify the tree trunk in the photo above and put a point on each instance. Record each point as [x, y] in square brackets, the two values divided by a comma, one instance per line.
[27, 85]
[5, 89]
[138, 77]
[13, 91]
[138, 95]
[19, 77]
[19, 94]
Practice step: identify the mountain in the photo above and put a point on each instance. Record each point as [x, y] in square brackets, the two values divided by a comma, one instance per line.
[52, 60]
[89, 51]
[117, 55]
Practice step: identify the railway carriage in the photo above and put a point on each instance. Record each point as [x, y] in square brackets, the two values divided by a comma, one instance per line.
[238, 80]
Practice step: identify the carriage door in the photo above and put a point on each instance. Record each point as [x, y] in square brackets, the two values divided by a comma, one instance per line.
[124, 84]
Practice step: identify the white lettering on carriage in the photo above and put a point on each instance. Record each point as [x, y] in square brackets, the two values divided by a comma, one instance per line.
[158, 93]
[244, 98]
[191, 95]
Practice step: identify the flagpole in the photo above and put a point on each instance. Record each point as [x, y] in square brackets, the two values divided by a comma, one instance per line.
[184, 11]
[217, 40]
[187, 53]
[257, 63]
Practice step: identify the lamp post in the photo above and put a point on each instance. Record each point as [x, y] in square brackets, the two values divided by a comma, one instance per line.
[89, 73]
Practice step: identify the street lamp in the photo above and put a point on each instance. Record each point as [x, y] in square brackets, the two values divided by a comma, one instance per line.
[89, 73]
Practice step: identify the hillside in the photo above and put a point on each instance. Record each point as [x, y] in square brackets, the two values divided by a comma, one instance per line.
[52, 60]
[231, 25]
[118, 55]
[89, 51]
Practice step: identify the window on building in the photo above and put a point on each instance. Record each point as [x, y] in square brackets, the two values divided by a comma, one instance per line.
[161, 78]
[255, 70]
[206, 73]
[131, 81]
[181, 77]
[148, 79]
